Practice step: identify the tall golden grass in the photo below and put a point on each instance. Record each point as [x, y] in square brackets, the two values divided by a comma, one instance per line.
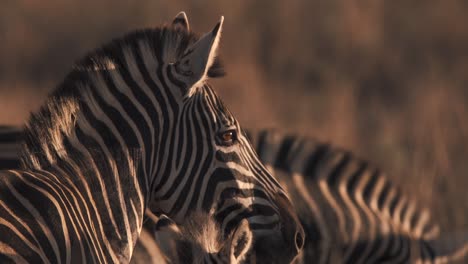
[386, 79]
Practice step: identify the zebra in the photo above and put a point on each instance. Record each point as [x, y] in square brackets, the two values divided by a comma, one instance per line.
[136, 125]
[352, 210]
[199, 240]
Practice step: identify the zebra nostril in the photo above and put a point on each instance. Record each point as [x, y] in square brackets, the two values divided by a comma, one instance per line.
[299, 239]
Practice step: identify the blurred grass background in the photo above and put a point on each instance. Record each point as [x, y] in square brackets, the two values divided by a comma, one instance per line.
[386, 79]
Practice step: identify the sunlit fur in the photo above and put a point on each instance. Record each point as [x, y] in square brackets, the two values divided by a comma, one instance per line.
[134, 125]
[199, 240]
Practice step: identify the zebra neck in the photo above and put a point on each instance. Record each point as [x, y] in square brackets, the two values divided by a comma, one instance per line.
[114, 145]
[99, 166]
[112, 194]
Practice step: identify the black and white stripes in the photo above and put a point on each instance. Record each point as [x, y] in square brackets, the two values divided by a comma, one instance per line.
[352, 210]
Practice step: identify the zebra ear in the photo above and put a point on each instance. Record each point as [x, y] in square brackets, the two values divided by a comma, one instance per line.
[180, 22]
[240, 242]
[200, 56]
[166, 233]
[166, 224]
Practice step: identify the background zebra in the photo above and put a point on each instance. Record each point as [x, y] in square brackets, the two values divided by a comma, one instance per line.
[390, 226]
[10, 144]
[136, 125]
[355, 211]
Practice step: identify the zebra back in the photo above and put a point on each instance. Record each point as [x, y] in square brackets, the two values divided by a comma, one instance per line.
[355, 211]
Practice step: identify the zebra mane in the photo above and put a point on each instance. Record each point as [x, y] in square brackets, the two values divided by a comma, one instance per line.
[46, 129]
[167, 43]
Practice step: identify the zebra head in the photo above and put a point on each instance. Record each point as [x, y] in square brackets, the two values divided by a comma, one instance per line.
[199, 240]
[214, 167]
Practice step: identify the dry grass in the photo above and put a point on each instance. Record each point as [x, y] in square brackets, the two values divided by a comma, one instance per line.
[386, 79]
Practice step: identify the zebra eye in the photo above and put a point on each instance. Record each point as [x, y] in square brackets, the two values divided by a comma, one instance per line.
[228, 137]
